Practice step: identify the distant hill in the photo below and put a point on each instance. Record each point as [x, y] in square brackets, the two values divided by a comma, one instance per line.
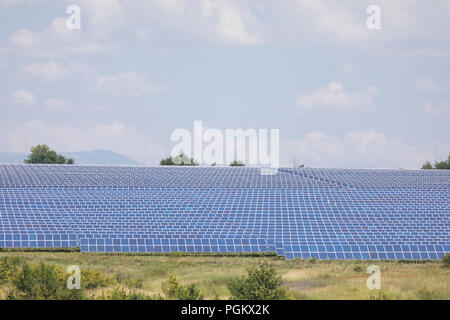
[81, 157]
[12, 157]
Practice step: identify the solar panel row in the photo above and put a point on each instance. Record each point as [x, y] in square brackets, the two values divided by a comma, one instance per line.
[297, 213]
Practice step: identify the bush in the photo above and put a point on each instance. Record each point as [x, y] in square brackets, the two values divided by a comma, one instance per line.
[446, 260]
[381, 296]
[126, 280]
[42, 282]
[261, 283]
[425, 294]
[237, 163]
[174, 290]
[9, 269]
[120, 294]
[91, 279]
[357, 268]
[180, 160]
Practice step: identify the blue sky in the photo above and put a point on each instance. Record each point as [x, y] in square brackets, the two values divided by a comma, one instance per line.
[341, 95]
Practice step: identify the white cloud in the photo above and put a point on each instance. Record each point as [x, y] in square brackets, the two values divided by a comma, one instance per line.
[53, 70]
[326, 20]
[334, 96]
[56, 105]
[23, 97]
[407, 27]
[347, 69]
[222, 21]
[359, 149]
[24, 38]
[103, 16]
[142, 34]
[127, 83]
[13, 3]
[442, 110]
[428, 84]
[57, 41]
[230, 24]
[114, 136]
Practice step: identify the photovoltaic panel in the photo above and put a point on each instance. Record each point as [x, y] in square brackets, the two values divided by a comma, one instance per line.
[297, 213]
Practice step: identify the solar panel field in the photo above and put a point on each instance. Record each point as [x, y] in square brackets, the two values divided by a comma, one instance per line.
[326, 214]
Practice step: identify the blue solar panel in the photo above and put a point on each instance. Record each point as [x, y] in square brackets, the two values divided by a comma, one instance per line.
[297, 213]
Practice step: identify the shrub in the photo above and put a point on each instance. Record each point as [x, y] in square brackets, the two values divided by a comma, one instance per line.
[174, 290]
[446, 260]
[425, 294]
[381, 296]
[128, 281]
[237, 163]
[261, 283]
[42, 282]
[120, 294]
[9, 269]
[91, 279]
[357, 268]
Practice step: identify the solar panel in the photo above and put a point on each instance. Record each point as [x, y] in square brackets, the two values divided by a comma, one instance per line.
[296, 213]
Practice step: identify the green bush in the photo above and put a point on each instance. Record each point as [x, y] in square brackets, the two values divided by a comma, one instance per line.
[42, 282]
[121, 294]
[381, 296]
[261, 283]
[426, 294]
[91, 279]
[174, 290]
[357, 268]
[446, 260]
[129, 282]
[237, 163]
[9, 269]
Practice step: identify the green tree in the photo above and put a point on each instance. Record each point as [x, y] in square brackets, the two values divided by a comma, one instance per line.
[260, 283]
[43, 154]
[180, 160]
[237, 163]
[427, 165]
[441, 165]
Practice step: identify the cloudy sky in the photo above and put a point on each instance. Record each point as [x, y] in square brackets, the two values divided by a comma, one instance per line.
[342, 95]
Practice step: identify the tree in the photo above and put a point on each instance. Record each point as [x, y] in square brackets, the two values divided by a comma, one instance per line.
[260, 283]
[237, 163]
[43, 154]
[427, 165]
[442, 165]
[180, 160]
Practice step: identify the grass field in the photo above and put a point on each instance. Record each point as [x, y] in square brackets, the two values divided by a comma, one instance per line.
[305, 279]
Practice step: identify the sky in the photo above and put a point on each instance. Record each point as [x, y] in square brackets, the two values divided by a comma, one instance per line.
[341, 94]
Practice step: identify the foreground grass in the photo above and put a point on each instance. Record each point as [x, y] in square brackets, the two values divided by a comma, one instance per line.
[305, 279]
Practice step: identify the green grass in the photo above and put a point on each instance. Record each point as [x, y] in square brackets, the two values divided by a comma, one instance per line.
[305, 279]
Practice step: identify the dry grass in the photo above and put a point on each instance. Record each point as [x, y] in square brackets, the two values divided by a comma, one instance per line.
[305, 279]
